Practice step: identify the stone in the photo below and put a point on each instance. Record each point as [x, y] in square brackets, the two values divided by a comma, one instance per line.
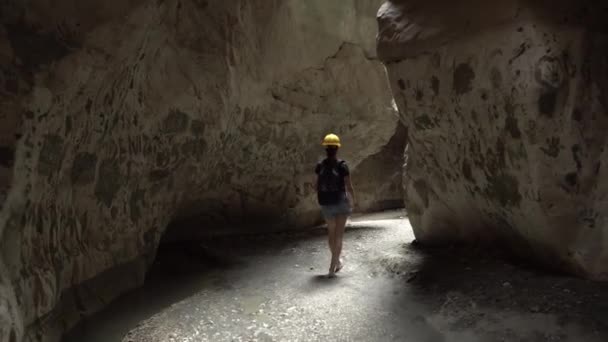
[509, 147]
[83, 168]
[133, 117]
[175, 122]
[109, 182]
[7, 156]
[51, 155]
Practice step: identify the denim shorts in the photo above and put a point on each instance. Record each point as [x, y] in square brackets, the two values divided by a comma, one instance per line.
[333, 210]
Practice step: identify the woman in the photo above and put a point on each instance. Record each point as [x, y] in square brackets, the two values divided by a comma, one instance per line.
[336, 196]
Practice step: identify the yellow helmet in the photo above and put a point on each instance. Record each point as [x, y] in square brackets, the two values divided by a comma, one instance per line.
[331, 140]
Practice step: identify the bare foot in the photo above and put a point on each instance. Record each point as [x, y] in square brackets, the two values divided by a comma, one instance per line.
[332, 270]
[339, 266]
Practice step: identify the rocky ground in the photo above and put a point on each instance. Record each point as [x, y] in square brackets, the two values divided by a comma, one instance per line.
[273, 288]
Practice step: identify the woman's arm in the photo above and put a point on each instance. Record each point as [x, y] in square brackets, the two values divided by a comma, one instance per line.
[317, 170]
[350, 190]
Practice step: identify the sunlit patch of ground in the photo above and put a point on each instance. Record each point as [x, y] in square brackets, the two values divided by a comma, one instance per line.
[273, 288]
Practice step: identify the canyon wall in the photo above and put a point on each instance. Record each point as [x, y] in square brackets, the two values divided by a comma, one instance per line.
[119, 117]
[507, 110]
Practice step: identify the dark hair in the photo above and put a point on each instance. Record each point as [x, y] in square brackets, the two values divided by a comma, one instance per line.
[331, 151]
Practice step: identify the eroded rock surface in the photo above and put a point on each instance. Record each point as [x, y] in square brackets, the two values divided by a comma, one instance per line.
[121, 116]
[505, 104]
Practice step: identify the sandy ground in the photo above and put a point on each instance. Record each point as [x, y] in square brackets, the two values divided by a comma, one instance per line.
[273, 288]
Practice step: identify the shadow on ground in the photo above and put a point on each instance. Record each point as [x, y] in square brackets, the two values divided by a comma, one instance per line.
[486, 290]
[183, 269]
[274, 285]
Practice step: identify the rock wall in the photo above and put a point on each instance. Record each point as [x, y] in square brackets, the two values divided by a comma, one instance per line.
[506, 108]
[119, 117]
[380, 191]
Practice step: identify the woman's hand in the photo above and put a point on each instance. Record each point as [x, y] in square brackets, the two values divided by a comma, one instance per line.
[351, 201]
[350, 192]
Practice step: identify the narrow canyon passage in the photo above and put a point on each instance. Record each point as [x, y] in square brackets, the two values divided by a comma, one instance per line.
[131, 132]
[272, 288]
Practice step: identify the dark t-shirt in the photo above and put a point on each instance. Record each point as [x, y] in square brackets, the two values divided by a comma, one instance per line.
[330, 185]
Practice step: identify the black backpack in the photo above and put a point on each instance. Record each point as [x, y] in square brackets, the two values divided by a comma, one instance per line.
[331, 189]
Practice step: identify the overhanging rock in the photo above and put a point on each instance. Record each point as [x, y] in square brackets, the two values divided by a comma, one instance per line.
[506, 104]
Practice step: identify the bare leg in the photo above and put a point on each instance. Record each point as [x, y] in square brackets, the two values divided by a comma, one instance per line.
[331, 235]
[339, 231]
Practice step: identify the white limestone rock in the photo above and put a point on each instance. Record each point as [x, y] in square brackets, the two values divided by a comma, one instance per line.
[505, 104]
[132, 114]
